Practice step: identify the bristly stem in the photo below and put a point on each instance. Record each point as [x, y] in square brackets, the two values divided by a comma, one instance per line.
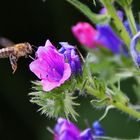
[119, 105]
[117, 22]
[126, 109]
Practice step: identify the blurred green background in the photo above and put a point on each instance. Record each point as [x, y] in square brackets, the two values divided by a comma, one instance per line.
[35, 21]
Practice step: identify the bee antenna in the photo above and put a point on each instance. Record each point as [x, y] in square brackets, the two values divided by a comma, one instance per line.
[34, 46]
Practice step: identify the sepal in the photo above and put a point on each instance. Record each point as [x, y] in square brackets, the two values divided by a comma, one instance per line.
[59, 102]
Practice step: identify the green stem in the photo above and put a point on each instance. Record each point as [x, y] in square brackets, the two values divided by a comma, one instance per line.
[120, 106]
[131, 19]
[127, 109]
[117, 22]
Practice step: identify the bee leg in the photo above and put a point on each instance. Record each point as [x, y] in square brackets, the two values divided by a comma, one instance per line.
[13, 62]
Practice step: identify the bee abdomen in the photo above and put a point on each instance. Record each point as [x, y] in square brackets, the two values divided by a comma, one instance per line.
[5, 52]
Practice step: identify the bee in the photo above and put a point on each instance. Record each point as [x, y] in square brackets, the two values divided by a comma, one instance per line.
[14, 51]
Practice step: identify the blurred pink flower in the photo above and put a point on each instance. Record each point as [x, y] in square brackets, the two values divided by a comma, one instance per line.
[50, 67]
[85, 34]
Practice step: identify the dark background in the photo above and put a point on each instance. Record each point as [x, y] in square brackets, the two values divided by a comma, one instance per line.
[35, 21]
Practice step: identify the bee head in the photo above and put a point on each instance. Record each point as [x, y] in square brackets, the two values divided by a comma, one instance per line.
[29, 48]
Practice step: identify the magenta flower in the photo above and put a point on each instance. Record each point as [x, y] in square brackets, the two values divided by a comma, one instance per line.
[85, 34]
[50, 67]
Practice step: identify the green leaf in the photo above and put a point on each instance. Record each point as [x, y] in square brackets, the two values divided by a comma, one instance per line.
[93, 17]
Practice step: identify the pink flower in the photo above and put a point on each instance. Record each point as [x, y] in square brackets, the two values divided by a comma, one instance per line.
[85, 34]
[50, 67]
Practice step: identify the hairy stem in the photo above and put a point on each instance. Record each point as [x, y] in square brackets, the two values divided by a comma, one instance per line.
[117, 22]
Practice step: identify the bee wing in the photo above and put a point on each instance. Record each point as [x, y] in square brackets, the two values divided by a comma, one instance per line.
[5, 42]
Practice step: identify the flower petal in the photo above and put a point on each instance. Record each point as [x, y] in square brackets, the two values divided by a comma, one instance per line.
[49, 85]
[108, 38]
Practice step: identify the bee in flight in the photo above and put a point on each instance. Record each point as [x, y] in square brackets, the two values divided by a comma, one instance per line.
[14, 51]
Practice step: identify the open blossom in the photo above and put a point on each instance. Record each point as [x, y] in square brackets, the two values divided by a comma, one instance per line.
[50, 67]
[71, 56]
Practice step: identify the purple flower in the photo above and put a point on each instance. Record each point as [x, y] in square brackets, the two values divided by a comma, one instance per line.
[71, 56]
[134, 52]
[66, 130]
[98, 130]
[86, 134]
[50, 67]
[108, 38]
[107, 35]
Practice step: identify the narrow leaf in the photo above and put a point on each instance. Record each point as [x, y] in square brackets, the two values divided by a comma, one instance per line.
[93, 17]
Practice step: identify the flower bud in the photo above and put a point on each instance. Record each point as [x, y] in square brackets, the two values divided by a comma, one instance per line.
[71, 57]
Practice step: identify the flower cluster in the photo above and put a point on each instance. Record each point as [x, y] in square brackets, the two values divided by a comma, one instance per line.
[66, 130]
[54, 67]
[91, 37]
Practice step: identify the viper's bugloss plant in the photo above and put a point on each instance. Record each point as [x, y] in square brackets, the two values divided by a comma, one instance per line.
[64, 74]
[59, 71]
